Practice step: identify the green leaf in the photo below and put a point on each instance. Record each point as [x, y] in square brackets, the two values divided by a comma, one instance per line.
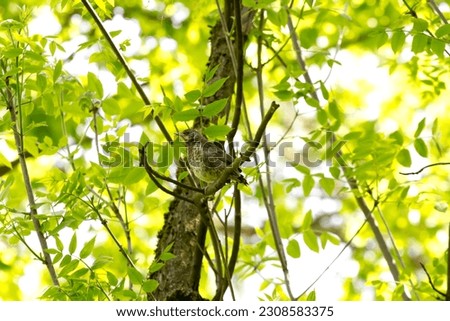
[112, 279]
[284, 94]
[419, 43]
[308, 37]
[101, 262]
[312, 102]
[135, 276]
[438, 47]
[311, 296]
[420, 25]
[185, 115]
[327, 184]
[111, 106]
[9, 24]
[421, 147]
[307, 221]
[95, 85]
[211, 89]
[155, 266]
[322, 117]
[324, 91]
[443, 31]
[217, 131]
[59, 244]
[72, 265]
[434, 127]
[334, 110]
[214, 108]
[397, 41]
[150, 285]
[310, 239]
[87, 248]
[134, 175]
[66, 260]
[308, 184]
[73, 244]
[302, 169]
[193, 95]
[290, 184]
[325, 237]
[210, 73]
[335, 171]
[166, 256]
[57, 71]
[380, 38]
[79, 273]
[420, 127]
[404, 158]
[293, 249]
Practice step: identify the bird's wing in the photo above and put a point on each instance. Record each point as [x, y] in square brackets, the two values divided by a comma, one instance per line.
[214, 155]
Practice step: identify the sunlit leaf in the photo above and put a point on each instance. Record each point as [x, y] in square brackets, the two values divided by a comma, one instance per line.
[308, 184]
[419, 43]
[214, 108]
[150, 285]
[211, 89]
[87, 248]
[186, 115]
[73, 244]
[293, 249]
[404, 158]
[397, 41]
[310, 239]
[327, 184]
[421, 147]
[135, 276]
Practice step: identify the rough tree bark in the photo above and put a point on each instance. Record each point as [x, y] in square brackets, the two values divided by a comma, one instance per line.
[183, 223]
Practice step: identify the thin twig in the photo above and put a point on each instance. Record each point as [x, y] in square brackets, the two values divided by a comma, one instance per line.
[268, 197]
[150, 170]
[431, 281]
[125, 65]
[104, 222]
[246, 156]
[152, 176]
[413, 13]
[438, 11]
[334, 260]
[425, 167]
[236, 235]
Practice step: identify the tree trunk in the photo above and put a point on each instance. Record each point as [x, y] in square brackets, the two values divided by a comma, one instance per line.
[184, 226]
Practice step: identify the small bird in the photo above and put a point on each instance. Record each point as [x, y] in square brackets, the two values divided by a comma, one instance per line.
[207, 160]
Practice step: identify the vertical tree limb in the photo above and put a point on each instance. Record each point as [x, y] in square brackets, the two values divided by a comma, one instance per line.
[351, 181]
[18, 138]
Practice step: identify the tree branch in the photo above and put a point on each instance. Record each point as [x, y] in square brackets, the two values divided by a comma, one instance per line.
[153, 174]
[250, 150]
[268, 198]
[430, 280]
[436, 9]
[17, 132]
[351, 181]
[239, 54]
[425, 167]
[125, 65]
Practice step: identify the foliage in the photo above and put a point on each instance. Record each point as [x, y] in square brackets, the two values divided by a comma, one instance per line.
[368, 104]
